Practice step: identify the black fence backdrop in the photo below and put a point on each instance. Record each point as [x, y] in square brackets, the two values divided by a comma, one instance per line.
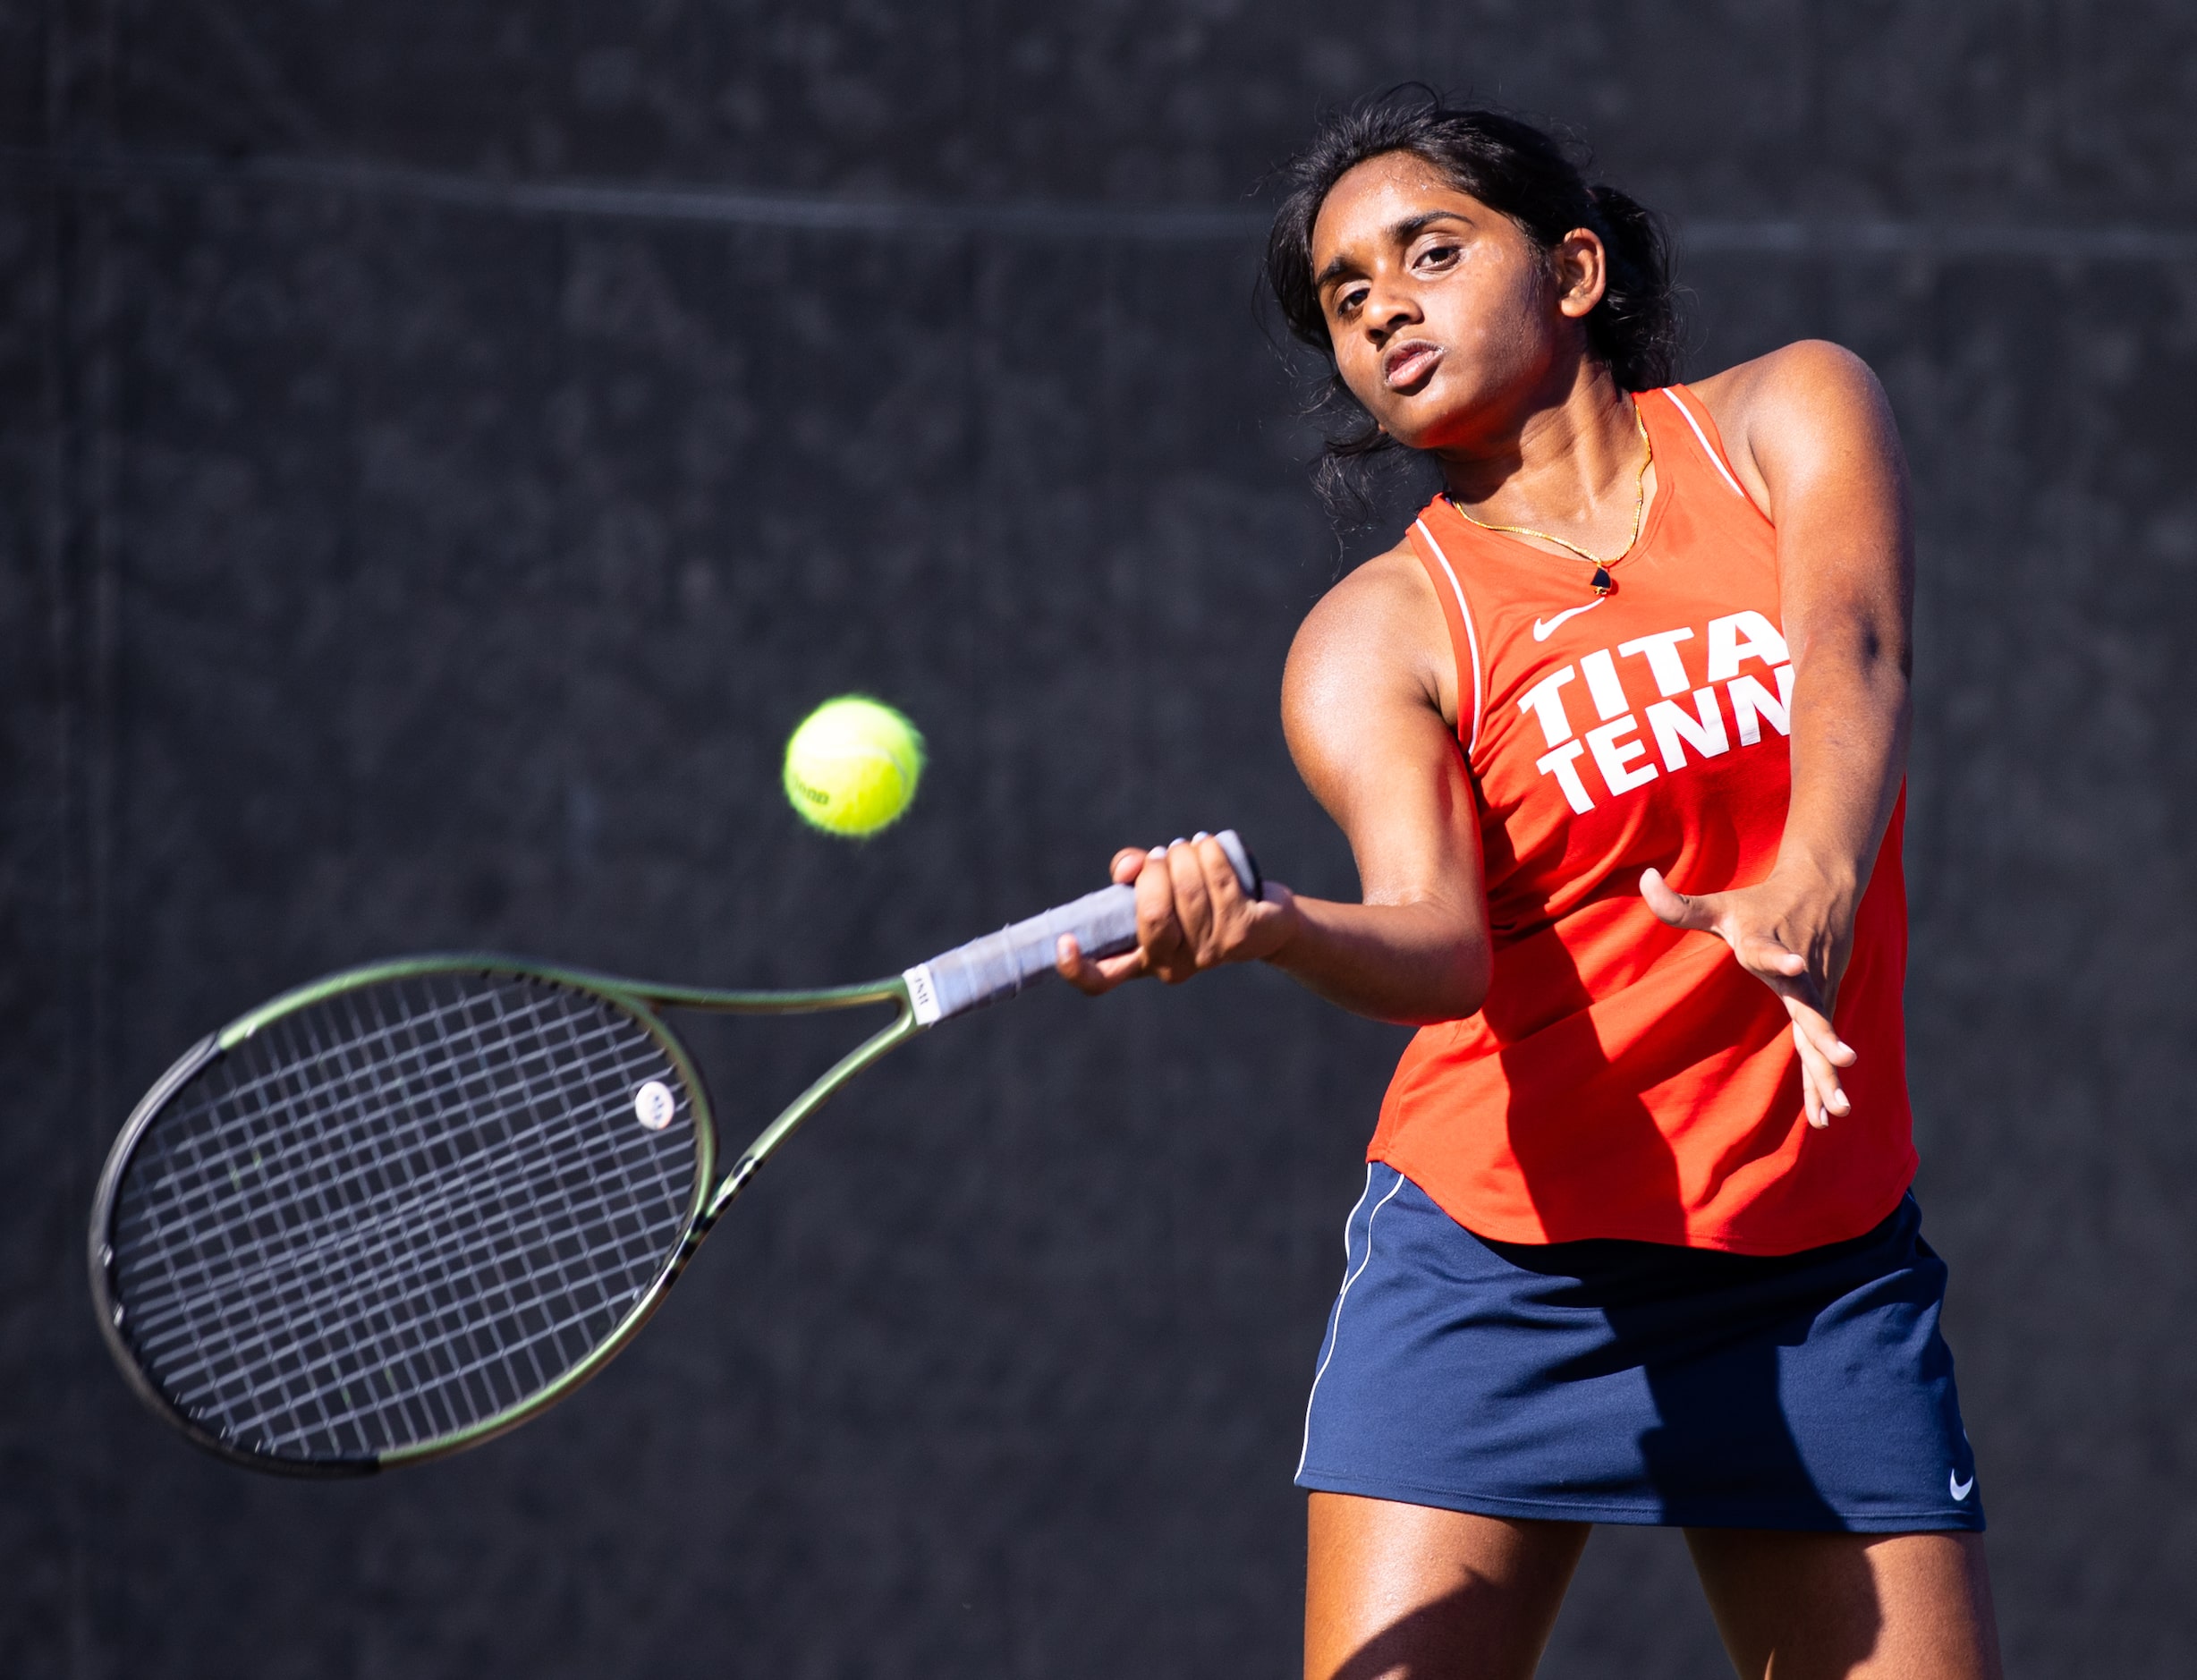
[444, 448]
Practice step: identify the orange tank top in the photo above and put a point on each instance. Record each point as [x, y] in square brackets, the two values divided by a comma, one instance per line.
[1624, 1078]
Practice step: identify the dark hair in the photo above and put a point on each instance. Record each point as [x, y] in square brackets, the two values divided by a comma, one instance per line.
[1509, 165]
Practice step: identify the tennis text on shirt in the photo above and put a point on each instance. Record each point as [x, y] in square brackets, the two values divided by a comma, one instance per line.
[1624, 1078]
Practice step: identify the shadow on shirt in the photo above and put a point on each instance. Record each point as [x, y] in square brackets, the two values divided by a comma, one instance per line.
[1702, 1327]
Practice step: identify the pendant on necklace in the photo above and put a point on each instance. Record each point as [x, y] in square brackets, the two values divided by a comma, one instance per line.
[1600, 581]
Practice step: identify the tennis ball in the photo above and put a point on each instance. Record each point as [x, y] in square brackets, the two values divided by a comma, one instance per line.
[852, 766]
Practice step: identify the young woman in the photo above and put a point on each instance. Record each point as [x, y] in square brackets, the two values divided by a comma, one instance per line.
[1617, 735]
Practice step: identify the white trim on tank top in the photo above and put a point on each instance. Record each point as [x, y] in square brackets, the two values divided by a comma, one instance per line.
[1701, 438]
[1472, 637]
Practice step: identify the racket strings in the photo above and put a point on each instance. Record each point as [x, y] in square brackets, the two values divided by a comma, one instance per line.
[398, 1212]
[305, 1166]
[457, 1210]
[466, 1210]
[427, 1266]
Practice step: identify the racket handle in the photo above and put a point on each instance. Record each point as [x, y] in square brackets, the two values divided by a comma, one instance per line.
[1000, 965]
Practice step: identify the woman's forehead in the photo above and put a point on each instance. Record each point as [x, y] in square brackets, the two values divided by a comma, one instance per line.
[1373, 198]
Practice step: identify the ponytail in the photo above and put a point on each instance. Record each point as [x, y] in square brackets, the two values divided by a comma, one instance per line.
[1634, 328]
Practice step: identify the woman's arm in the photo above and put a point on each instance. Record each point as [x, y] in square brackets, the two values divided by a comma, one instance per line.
[1811, 436]
[1369, 680]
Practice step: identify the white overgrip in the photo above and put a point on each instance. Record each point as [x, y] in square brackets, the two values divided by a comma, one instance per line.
[1000, 965]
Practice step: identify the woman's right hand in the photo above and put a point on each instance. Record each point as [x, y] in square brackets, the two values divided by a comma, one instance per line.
[1193, 913]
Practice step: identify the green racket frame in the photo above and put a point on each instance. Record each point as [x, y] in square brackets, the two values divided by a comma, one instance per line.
[641, 1001]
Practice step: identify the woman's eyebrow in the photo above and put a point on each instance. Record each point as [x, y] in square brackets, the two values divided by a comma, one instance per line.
[1411, 224]
[1398, 233]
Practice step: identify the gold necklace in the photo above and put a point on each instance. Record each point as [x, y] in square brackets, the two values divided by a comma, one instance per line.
[1600, 581]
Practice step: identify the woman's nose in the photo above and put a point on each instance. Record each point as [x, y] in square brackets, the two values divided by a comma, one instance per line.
[1389, 310]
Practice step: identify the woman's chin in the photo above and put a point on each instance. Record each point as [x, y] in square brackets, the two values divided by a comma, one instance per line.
[1432, 426]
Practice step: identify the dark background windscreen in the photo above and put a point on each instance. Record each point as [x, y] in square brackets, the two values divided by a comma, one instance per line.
[445, 448]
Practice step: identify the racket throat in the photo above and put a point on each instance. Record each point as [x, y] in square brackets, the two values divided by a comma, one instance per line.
[735, 1181]
[903, 1026]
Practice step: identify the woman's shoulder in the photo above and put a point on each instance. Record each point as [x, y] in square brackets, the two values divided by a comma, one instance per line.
[1389, 580]
[1380, 624]
[1804, 396]
[1387, 599]
[1796, 373]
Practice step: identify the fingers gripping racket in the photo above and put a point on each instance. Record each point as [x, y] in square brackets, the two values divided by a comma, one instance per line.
[398, 1211]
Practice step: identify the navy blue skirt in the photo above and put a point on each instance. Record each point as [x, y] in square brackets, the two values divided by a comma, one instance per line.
[1613, 1382]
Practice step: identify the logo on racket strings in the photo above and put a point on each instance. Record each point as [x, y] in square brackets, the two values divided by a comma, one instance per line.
[654, 1106]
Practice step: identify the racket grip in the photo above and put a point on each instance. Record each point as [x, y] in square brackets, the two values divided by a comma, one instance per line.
[1001, 964]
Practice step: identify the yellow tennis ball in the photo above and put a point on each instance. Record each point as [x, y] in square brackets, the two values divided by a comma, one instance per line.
[853, 765]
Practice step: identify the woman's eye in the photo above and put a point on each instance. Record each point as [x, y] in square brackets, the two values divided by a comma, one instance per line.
[1437, 256]
[1346, 301]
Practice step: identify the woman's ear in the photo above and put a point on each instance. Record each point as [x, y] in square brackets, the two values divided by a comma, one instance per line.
[1581, 267]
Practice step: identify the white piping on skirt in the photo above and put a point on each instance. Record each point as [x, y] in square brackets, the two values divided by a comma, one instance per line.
[1335, 1323]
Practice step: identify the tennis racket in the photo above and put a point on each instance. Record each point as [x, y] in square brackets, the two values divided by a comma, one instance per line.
[404, 1208]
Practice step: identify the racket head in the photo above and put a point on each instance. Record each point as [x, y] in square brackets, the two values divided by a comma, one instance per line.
[395, 1212]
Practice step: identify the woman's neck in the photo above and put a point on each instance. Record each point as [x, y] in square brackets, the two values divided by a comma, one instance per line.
[1566, 462]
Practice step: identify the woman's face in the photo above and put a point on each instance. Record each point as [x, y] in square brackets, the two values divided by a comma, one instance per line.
[1448, 322]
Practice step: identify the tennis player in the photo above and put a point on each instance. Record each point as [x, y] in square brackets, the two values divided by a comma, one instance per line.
[1617, 735]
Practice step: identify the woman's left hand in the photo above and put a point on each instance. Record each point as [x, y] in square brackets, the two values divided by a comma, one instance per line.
[1794, 936]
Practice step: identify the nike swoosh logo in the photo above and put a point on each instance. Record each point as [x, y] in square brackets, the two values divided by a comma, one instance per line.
[1544, 628]
[1961, 1490]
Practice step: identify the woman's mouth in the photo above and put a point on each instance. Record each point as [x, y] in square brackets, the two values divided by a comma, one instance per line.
[1409, 363]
